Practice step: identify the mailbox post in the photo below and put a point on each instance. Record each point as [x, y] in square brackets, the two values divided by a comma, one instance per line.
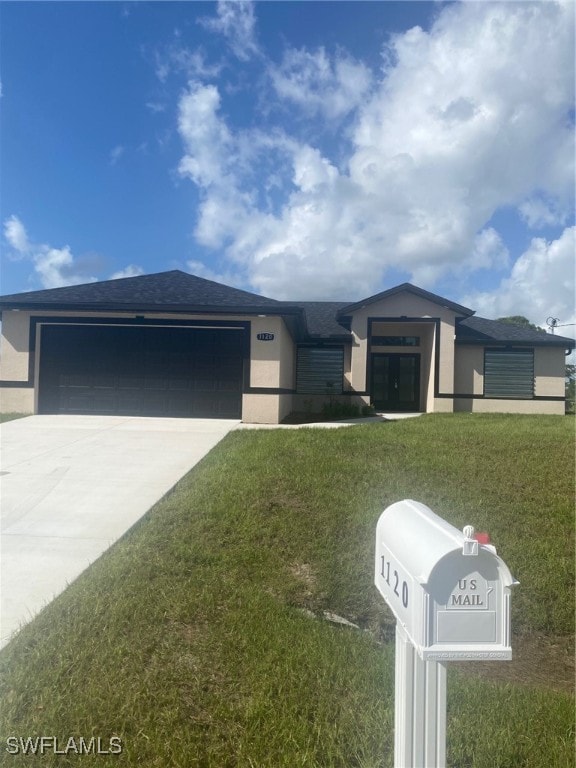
[451, 599]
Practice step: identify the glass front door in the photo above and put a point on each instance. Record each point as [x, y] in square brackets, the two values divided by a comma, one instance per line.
[395, 382]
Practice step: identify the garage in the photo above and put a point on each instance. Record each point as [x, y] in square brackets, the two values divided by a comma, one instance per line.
[134, 370]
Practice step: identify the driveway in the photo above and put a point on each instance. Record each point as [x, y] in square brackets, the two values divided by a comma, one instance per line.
[72, 485]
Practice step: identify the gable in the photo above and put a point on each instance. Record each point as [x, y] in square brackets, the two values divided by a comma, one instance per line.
[408, 294]
[404, 305]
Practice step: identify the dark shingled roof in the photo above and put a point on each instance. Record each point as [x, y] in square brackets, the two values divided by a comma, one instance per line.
[165, 290]
[177, 291]
[480, 330]
[321, 318]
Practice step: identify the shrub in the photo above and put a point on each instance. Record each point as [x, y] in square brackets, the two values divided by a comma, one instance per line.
[336, 410]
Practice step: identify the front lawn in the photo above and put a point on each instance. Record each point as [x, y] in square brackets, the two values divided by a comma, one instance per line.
[198, 640]
[12, 416]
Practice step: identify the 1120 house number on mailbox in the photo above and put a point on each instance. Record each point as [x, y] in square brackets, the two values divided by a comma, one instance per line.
[394, 579]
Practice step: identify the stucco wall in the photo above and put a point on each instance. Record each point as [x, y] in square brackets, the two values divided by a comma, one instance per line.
[550, 407]
[469, 370]
[315, 403]
[14, 346]
[409, 306]
[265, 409]
[549, 369]
[14, 363]
[549, 372]
[426, 332]
[272, 362]
[17, 400]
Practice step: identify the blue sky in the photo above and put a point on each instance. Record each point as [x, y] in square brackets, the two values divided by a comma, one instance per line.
[301, 150]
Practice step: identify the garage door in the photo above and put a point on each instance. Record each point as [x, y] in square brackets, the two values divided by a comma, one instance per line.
[141, 371]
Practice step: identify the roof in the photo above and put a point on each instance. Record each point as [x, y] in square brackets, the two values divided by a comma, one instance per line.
[174, 290]
[479, 330]
[322, 319]
[177, 291]
[407, 287]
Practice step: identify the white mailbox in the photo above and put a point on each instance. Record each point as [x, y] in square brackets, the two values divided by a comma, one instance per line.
[450, 593]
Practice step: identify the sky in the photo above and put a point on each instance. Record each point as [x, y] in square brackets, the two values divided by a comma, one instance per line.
[300, 150]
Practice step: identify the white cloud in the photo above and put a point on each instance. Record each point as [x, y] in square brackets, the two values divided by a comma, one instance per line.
[538, 213]
[311, 170]
[132, 270]
[177, 58]
[116, 154]
[15, 234]
[207, 139]
[468, 118]
[222, 165]
[156, 107]
[320, 86]
[471, 117]
[541, 284]
[55, 267]
[226, 277]
[489, 251]
[236, 22]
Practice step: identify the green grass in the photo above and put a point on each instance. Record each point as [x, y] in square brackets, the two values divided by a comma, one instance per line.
[188, 639]
[12, 416]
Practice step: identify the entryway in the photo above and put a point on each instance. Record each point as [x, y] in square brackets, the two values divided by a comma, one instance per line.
[395, 381]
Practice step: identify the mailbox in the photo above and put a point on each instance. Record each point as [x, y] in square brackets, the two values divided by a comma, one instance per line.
[450, 593]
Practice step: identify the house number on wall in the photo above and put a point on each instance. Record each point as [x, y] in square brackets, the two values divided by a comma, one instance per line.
[265, 336]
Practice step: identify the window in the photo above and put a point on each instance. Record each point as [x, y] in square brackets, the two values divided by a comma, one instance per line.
[320, 370]
[509, 373]
[395, 341]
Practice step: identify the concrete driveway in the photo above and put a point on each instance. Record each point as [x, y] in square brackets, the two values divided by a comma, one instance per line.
[72, 485]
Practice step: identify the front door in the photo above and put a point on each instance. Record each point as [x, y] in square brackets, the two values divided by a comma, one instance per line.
[395, 382]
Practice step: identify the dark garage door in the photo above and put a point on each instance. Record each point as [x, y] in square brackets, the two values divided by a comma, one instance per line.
[141, 371]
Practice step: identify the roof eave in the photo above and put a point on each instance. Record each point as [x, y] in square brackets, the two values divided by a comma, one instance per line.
[339, 337]
[409, 288]
[265, 309]
[561, 342]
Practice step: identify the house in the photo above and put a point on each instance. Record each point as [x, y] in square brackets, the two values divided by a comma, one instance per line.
[172, 344]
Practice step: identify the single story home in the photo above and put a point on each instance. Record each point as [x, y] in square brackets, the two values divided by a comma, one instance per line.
[172, 344]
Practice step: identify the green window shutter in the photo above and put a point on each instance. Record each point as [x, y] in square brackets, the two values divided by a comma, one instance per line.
[509, 373]
[319, 370]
